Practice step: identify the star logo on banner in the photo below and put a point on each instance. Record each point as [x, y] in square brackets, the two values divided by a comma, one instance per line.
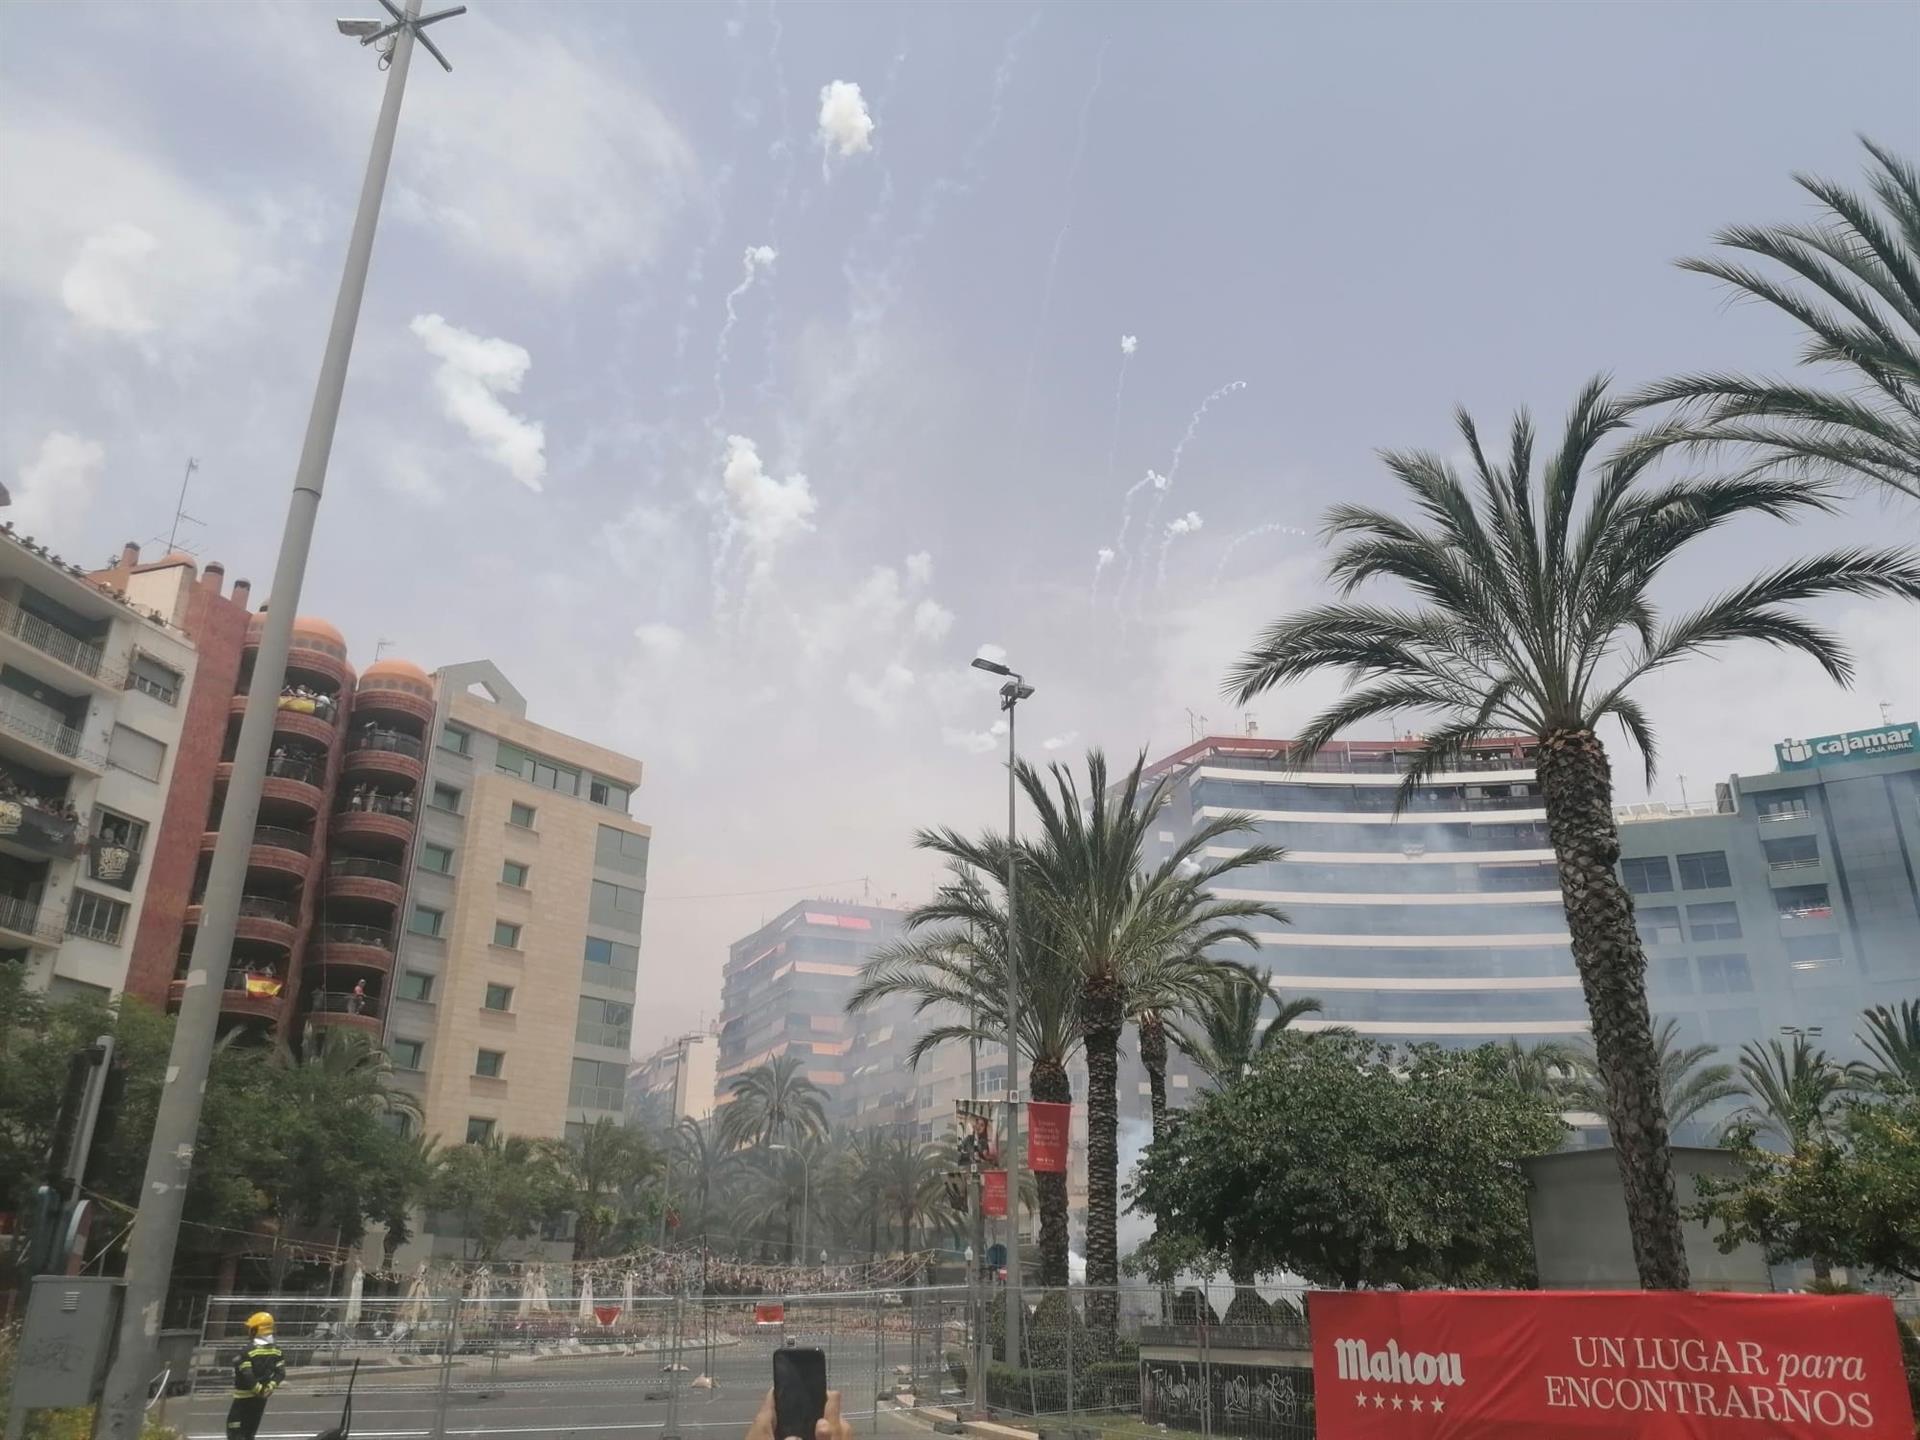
[1438, 1404]
[1418, 1405]
[1396, 1402]
[1379, 1402]
[1361, 1401]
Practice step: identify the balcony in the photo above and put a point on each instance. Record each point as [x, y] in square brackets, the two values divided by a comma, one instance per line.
[292, 779]
[22, 922]
[290, 718]
[359, 877]
[77, 657]
[376, 698]
[355, 947]
[275, 848]
[38, 735]
[374, 823]
[343, 1010]
[265, 918]
[385, 752]
[33, 831]
[245, 995]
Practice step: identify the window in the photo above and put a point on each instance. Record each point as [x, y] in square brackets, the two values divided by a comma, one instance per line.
[612, 955]
[150, 677]
[1670, 974]
[1648, 876]
[1718, 921]
[1806, 950]
[1724, 974]
[499, 997]
[95, 917]
[490, 1063]
[1796, 852]
[537, 769]
[415, 985]
[446, 797]
[113, 858]
[514, 873]
[1804, 902]
[598, 1085]
[1658, 924]
[456, 741]
[135, 753]
[609, 793]
[407, 1054]
[1784, 805]
[479, 1131]
[621, 850]
[619, 905]
[1705, 870]
[425, 920]
[437, 858]
[521, 815]
[506, 934]
[604, 1022]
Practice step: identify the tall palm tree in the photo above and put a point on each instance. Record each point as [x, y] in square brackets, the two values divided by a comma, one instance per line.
[1689, 1083]
[700, 1166]
[1230, 1031]
[1793, 1093]
[953, 960]
[611, 1166]
[775, 1192]
[773, 1102]
[1533, 613]
[1859, 301]
[1892, 1037]
[1163, 991]
[912, 1184]
[865, 1161]
[1545, 1068]
[1118, 923]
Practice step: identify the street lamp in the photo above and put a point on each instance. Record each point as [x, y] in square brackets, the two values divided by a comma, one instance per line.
[806, 1192]
[1011, 694]
[163, 1190]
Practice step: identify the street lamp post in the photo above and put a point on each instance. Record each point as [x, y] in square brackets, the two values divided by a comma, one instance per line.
[163, 1190]
[806, 1191]
[1011, 694]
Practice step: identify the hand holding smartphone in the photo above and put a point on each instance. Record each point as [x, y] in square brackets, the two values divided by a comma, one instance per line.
[799, 1393]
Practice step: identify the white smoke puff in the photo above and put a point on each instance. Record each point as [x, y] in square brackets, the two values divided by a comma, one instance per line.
[769, 512]
[1129, 343]
[845, 124]
[1102, 558]
[919, 567]
[759, 257]
[1185, 524]
[1155, 479]
[996, 653]
[932, 620]
[474, 372]
[1060, 742]
[660, 640]
[881, 698]
[735, 29]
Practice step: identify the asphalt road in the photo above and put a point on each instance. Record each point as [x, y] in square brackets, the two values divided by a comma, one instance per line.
[573, 1396]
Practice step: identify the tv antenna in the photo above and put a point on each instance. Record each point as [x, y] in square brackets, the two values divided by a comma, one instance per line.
[382, 645]
[180, 508]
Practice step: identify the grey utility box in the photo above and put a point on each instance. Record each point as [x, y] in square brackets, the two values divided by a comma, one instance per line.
[66, 1342]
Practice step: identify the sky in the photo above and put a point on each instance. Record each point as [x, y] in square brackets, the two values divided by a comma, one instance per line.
[733, 374]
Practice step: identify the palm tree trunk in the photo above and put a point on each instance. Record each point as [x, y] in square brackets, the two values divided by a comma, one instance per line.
[1577, 786]
[1153, 1055]
[1050, 1084]
[1104, 1018]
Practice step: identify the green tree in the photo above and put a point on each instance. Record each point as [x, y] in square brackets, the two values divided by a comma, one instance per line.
[1690, 1078]
[1892, 1038]
[700, 1167]
[615, 1172]
[1852, 281]
[1163, 992]
[1793, 1093]
[1233, 1027]
[953, 961]
[1544, 1068]
[1352, 1164]
[1532, 612]
[1849, 1196]
[912, 1180]
[777, 1195]
[503, 1189]
[773, 1102]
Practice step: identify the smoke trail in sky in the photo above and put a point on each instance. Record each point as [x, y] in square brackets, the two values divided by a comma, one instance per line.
[846, 124]
[756, 259]
[1220, 568]
[1128, 344]
[1187, 524]
[1102, 558]
[1180, 450]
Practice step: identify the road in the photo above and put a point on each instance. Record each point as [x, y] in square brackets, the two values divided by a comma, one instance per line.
[574, 1396]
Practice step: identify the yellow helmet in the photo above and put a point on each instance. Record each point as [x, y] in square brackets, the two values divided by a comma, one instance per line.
[258, 1321]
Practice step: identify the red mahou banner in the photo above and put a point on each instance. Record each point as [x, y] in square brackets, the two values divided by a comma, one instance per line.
[1523, 1365]
[1048, 1124]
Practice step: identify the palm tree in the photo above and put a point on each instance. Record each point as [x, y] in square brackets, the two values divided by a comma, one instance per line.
[1793, 1094]
[1544, 1069]
[1688, 1083]
[1118, 925]
[865, 1160]
[1859, 301]
[700, 1167]
[1533, 614]
[772, 1102]
[953, 960]
[1162, 992]
[1893, 1039]
[1229, 1031]
[778, 1190]
[912, 1183]
[611, 1166]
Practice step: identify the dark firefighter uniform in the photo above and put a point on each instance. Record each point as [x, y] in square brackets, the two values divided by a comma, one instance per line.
[256, 1375]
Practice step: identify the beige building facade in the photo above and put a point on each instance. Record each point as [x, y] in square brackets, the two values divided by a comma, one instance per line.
[676, 1082]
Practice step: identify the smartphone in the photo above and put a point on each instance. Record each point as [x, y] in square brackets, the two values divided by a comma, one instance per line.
[799, 1393]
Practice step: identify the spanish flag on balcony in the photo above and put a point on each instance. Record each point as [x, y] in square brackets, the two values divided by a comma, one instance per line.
[262, 987]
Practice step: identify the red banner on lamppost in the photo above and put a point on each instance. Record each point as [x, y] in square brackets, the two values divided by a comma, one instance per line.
[1048, 1125]
[993, 1194]
[1606, 1365]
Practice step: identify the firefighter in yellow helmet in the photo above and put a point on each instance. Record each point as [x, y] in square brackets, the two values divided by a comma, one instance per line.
[256, 1375]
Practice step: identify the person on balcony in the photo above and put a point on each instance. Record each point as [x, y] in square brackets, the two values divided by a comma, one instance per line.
[357, 1001]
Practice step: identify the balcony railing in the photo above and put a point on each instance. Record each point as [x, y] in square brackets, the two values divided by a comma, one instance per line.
[356, 935]
[296, 767]
[1767, 817]
[266, 907]
[23, 917]
[362, 867]
[29, 721]
[595, 1097]
[278, 837]
[49, 639]
[595, 1033]
[1807, 912]
[1804, 863]
[263, 986]
[42, 831]
[329, 1002]
[392, 741]
[379, 803]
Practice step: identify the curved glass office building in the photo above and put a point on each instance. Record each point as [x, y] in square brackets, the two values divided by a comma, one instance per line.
[1444, 923]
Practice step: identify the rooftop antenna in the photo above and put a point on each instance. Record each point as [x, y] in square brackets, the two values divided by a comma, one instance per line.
[1196, 726]
[381, 646]
[1885, 717]
[180, 506]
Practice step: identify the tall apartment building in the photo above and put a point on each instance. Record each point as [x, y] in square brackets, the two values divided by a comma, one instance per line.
[785, 992]
[514, 978]
[1442, 924]
[1789, 902]
[676, 1081]
[92, 691]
